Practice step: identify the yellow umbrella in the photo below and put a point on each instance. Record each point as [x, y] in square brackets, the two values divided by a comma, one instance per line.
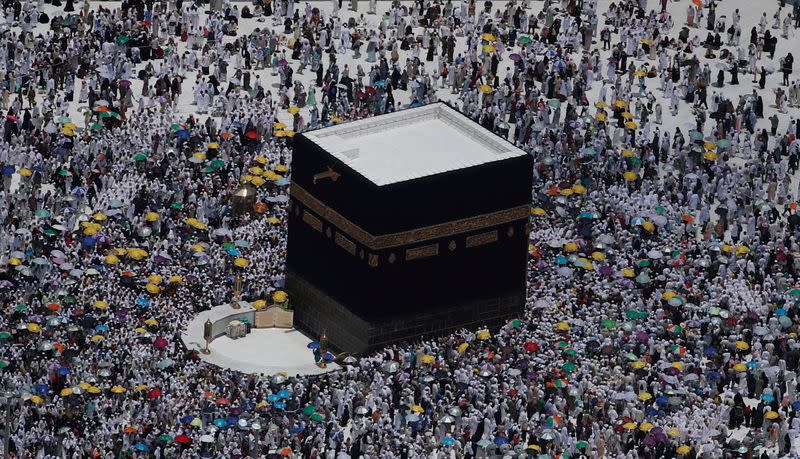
[578, 188]
[100, 304]
[121, 251]
[486, 89]
[280, 133]
[488, 37]
[417, 409]
[14, 261]
[683, 449]
[629, 426]
[100, 217]
[213, 145]
[601, 104]
[34, 327]
[627, 272]
[280, 296]
[281, 168]
[483, 335]
[630, 176]
[600, 117]
[198, 248]
[566, 192]
[68, 132]
[273, 220]
[118, 389]
[488, 48]
[627, 115]
[278, 125]
[678, 366]
[151, 321]
[93, 390]
[710, 146]
[771, 415]
[241, 262]
[426, 359]
[646, 41]
[598, 256]
[200, 155]
[137, 253]
[151, 216]
[84, 385]
[37, 400]
[645, 396]
[175, 279]
[648, 226]
[288, 132]
[631, 125]
[153, 288]
[538, 211]
[140, 387]
[673, 432]
[562, 326]
[25, 172]
[259, 304]
[258, 181]
[646, 427]
[570, 247]
[628, 153]
[155, 279]
[619, 103]
[536, 448]
[140, 329]
[65, 392]
[710, 156]
[727, 248]
[638, 364]
[293, 110]
[742, 346]
[97, 338]
[260, 159]
[639, 74]
[669, 294]
[253, 170]
[740, 367]
[742, 249]
[462, 347]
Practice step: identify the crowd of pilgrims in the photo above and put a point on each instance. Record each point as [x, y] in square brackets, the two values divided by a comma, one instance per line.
[663, 308]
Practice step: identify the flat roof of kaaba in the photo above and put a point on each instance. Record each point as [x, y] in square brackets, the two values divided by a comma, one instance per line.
[412, 143]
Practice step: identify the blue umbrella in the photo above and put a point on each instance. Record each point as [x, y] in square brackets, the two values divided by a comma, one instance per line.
[767, 397]
[282, 181]
[710, 351]
[328, 357]
[219, 422]
[484, 443]
[273, 398]
[500, 441]
[448, 441]
[650, 411]
[313, 345]
[295, 430]
[585, 214]
[183, 134]
[8, 170]
[187, 419]
[89, 241]
[713, 375]
[142, 301]
[141, 447]
[101, 328]
[796, 405]
[42, 388]
[280, 405]
[283, 393]
[662, 400]
[751, 364]
[231, 420]
[63, 371]
[561, 260]
[234, 252]
[780, 312]
[380, 83]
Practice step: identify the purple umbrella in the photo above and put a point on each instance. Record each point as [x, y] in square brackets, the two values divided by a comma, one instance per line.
[515, 57]
[642, 337]
[522, 364]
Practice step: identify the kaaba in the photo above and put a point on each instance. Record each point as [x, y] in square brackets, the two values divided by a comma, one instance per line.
[406, 225]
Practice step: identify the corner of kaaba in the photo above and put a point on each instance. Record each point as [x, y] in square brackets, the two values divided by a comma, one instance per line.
[406, 225]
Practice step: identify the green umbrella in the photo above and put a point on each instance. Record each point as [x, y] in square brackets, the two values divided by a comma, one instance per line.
[50, 232]
[516, 323]
[42, 213]
[631, 356]
[570, 351]
[317, 417]
[217, 163]
[140, 157]
[228, 245]
[643, 263]
[105, 115]
[97, 126]
[64, 119]
[309, 410]
[677, 329]
[176, 205]
[5, 335]
[695, 135]
[581, 444]
[208, 170]
[562, 344]
[165, 437]
[4, 363]
[660, 209]
[568, 367]
[63, 172]
[794, 292]
[524, 40]
[69, 299]
[123, 39]
[609, 324]
[113, 114]
[21, 307]
[176, 127]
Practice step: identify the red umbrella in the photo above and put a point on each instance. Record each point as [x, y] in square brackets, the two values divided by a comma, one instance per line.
[160, 343]
[531, 347]
[183, 439]
[223, 401]
[53, 306]
[154, 393]
[251, 135]
[12, 118]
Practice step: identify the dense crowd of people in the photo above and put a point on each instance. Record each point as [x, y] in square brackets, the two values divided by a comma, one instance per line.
[663, 301]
